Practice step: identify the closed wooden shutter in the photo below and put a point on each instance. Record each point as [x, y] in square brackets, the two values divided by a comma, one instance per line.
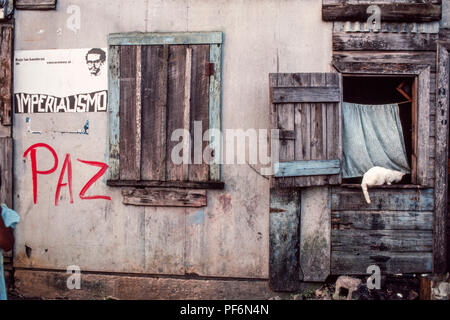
[306, 108]
[162, 88]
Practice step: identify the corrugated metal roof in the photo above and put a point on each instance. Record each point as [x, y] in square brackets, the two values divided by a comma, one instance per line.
[356, 26]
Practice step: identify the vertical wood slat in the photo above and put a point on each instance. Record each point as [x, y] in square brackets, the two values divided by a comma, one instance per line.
[138, 110]
[6, 165]
[317, 129]
[333, 128]
[154, 113]
[175, 106]
[215, 57]
[199, 169]
[114, 112]
[302, 129]
[187, 111]
[128, 110]
[6, 53]
[286, 122]
[440, 244]
[423, 126]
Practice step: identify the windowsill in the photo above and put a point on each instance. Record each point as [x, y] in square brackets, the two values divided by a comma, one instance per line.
[167, 184]
[385, 186]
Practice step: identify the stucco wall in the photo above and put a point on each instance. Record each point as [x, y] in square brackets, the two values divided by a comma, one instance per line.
[227, 238]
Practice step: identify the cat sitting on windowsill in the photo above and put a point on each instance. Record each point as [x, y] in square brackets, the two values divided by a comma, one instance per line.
[378, 176]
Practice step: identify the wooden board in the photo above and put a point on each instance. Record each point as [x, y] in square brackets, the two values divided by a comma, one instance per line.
[284, 271]
[175, 106]
[359, 41]
[382, 199]
[6, 167]
[307, 168]
[199, 170]
[388, 262]
[114, 112]
[154, 113]
[297, 95]
[440, 245]
[381, 241]
[404, 11]
[167, 184]
[165, 197]
[382, 220]
[6, 56]
[128, 129]
[35, 4]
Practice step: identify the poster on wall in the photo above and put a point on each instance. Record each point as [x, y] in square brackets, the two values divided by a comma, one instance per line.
[60, 80]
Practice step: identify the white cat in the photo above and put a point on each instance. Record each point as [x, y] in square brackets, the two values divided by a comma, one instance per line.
[378, 176]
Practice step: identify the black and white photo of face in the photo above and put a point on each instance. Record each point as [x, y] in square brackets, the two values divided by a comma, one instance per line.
[95, 60]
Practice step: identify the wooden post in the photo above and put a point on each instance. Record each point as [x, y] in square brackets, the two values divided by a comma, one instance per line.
[441, 164]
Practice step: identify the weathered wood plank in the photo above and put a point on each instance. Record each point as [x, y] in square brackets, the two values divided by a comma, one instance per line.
[284, 271]
[199, 169]
[286, 122]
[175, 107]
[167, 184]
[168, 38]
[187, 113]
[128, 128]
[401, 57]
[440, 245]
[315, 234]
[303, 128]
[114, 112]
[347, 199]
[6, 167]
[318, 134]
[405, 12]
[307, 168]
[6, 56]
[215, 111]
[389, 262]
[35, 4]
[381, 241]
[379, 68]
[423, 127]
[305, 94]
[382, 220]
[164, 197]
[344, 41]
[154, 114]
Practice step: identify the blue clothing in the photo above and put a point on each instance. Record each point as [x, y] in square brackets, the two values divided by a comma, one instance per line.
[10, 218]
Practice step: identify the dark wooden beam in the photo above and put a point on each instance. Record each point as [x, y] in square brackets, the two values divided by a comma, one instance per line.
[338, 10]
[36, 4]
[441, 164]
[167, 184]
[370, 41]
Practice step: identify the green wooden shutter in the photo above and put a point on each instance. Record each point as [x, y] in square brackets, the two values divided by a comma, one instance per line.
[306, 109]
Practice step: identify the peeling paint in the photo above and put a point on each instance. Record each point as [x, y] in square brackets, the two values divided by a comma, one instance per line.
[197, 218]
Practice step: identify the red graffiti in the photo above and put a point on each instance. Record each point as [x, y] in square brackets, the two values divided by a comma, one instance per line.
[34, 170]
[103, 168]
[67, 164]
[66, 167]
